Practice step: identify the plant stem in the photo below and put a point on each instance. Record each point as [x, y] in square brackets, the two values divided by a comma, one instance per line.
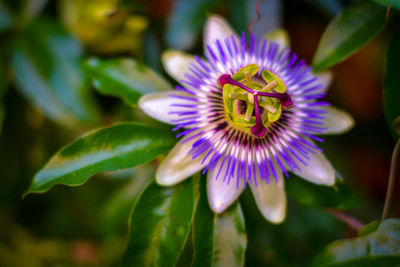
[352, 222]
[258, 16]
[387, 13]
[392, 179]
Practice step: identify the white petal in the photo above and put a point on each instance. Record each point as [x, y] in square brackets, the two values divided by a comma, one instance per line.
[220, 194]
[325, 78]
[270, 198]
[280, 36]
[337, 121]
[176, 63]
[158, 105]
[216, 27]
[179, 165]
[318, 170]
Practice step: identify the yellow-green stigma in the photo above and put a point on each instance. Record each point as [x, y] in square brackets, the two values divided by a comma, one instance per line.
[252, 101]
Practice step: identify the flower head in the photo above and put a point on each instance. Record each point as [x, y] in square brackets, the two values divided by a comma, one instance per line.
[249, 113]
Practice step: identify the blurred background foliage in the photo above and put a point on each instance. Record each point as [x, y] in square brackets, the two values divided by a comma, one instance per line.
[47, 49]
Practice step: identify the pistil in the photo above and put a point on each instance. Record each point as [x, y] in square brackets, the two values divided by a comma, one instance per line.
[258, 129]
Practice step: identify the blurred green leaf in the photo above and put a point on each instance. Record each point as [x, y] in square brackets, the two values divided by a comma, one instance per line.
[393, 3]
[48, 73]
[186, 21]
[117, 147]
[125, 78]
[151, 49]
[104, 26]
[348, 32]
[379, 248]
[237, 17]
[338, 196]
[117, 209]
[160, 224]
[368, 228]
[329, 7]
[219, 239]
[391, 90]
[6, 18]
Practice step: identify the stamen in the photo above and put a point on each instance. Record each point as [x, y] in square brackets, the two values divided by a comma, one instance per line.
[267, 105]
[249, 113]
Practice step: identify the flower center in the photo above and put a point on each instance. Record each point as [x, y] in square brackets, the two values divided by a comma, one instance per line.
[253, 101]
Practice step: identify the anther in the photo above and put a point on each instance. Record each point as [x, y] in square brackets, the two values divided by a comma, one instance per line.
[269, 86]
[247, 76]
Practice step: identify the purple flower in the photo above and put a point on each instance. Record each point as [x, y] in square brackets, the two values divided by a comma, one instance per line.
[249, 113]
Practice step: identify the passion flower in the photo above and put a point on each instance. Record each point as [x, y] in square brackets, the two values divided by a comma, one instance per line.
[248, 112]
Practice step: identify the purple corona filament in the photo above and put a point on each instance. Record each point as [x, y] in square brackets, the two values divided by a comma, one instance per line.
[258, 130]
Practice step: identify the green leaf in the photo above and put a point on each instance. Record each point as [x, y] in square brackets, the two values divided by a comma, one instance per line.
[219, 240]
[117, 147]
[125, 78]
[391, 91]
[48, 73]
[379, 248]
[160, 224]
[338, 196]
[330, 8]
[348, 32]
[186, 22]
[386, 3]
[368, 228]
[116, 211]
